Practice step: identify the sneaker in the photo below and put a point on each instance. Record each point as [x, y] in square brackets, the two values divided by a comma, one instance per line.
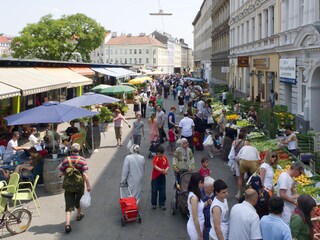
[163, 207]
[154, 207]
[67, 229]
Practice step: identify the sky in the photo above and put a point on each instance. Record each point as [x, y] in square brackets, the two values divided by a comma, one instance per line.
[121, 16]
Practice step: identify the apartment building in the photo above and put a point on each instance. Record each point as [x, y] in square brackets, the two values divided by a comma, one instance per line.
[299, 49]
[202, 25]
[254, 63]
[5, 43]
[220, 41]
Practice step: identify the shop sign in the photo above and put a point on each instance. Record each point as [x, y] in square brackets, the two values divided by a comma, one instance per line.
[243, 61]
[261, 63]
[225, 69]
[288, 71]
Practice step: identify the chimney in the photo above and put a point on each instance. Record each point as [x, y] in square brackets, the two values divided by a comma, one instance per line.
[114, 34]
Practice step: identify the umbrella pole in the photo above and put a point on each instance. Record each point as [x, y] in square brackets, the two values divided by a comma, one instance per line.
[92, 134]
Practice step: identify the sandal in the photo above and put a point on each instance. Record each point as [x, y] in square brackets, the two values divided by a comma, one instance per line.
[67, 229]
[80, 217]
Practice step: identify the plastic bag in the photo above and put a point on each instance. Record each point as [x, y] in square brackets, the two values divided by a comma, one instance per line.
[85, 200]
[129, 144]
[208, 141]
[210, 120]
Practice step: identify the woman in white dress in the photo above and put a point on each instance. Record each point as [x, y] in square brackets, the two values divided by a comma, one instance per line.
[195, 206]
[219, 212]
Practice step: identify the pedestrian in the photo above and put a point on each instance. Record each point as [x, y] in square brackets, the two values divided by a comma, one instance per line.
[272, 98]
[300, 224]
[71, 196]
[186, 129]
[219, 212]
[287, 189]
[159, 101]
[201, 104]
[161, 120]
[143, 101]
[153, 128]
[207, 115]
[137, 130]
[206, 194]
[133, 171]
[222, 122]
[267, 171]
[172, 138]
[179, 89]
[172, 118]
[181, 102]
[183, 159]
[117, 120]
[195, 223]
[244, 220]
[224, 97]
[291, 141]
[158, 182]
[272, 226]
[204, 169]
[136, 103]
[152, 99]
[200, 129]
[187, 94]
[253, 115]
[174, 92]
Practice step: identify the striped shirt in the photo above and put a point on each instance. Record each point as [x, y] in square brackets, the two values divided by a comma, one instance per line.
[81, 164]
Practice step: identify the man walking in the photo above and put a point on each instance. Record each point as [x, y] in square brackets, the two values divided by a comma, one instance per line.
[137, 130]
[72, 196]
[161, 119]
[186, 129]
[244, 220]
[143, 100]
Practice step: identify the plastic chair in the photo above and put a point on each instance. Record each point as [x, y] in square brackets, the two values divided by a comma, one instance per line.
[27, 194]
[12, 185]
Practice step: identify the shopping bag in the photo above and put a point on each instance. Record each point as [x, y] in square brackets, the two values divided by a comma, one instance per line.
[210, 120]
[129, 144]
[85, 200]
[208, 141]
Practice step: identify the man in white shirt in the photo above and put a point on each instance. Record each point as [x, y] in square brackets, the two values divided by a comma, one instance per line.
[244, 220]
[12, 146]
[248, 157]
[186, 129]
[144, 100]
[287, 189]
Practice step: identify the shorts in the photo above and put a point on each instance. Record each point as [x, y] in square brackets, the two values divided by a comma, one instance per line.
[248, 166]
[72, 200]
[118, 131]
[136, 107]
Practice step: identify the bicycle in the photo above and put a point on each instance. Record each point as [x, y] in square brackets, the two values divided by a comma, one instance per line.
[16, 221]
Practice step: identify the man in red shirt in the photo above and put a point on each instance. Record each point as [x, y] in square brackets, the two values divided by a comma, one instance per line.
[158, 182]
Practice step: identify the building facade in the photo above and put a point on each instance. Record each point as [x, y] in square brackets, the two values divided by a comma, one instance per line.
[5, 49]
[299, 50]
[202, 26]
[220, 41]
[254, 62]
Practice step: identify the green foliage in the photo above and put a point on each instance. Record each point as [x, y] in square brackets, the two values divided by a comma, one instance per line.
[59, 39]
[105, 115]
[119, 105]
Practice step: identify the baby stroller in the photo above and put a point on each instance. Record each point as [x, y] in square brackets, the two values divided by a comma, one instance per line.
[180, 200]
[129, 207]
[153, 148]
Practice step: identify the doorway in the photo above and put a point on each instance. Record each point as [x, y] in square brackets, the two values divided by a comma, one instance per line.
[314, 100]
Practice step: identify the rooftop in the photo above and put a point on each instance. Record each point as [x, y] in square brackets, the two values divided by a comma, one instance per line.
[134, 40]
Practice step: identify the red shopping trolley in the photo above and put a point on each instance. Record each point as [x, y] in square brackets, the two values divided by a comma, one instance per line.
[129, 207]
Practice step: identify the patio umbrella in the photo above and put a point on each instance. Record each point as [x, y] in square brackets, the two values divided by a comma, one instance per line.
[140, 80]
[100, 87]
[89, 99]
[128, 84]
[49, 112]
[118, 89]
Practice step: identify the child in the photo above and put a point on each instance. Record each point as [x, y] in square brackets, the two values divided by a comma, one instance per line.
[204, 170]
[158, 182]
[172, 140]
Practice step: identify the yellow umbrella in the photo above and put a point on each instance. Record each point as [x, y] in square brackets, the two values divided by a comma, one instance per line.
[140, 80]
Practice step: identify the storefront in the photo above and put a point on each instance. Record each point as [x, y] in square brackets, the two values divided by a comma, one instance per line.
[239, 81]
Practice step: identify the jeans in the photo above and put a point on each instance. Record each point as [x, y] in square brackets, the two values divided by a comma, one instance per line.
[143, 110]
[137, 139]
[158, 185]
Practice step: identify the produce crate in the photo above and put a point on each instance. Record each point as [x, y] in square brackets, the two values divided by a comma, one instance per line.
[306, 143]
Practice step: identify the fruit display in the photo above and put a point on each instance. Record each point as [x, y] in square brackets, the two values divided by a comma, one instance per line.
[243, 123]
[302, 180]
[232, 117]
[310, 190]
[255, 135]
[278, 172]
[315, 216]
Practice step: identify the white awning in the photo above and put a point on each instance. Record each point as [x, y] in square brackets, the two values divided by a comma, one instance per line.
[66, 74]
[121, 71]
[7, 91]
[30, 80]
[106, 72]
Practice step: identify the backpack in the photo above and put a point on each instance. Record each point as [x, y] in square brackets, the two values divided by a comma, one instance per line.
[73, 179]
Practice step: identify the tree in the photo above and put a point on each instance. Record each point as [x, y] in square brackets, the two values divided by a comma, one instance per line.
[68, 38]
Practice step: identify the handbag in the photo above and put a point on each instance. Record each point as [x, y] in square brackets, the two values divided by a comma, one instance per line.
[210, 120]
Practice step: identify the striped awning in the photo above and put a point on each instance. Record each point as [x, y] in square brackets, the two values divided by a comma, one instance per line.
[7, 91]
[85, 71]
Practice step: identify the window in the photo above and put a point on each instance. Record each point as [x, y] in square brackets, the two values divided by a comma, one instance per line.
[135, 51]
[130, 60]
[140, 61]
[135, 61]
[154, 61]
[260, 26]
[253, 29]
[115, 51]
[140, 51]
[130, 51]
[120, 60]
[301, 10]
[120, 51]
[125, 61]
[147, 51]
[272, 20]
[125, 51]
[147, 60]
[111, 51]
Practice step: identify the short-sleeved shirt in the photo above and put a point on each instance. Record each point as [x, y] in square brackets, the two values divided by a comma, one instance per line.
[244, 222]
[249, 153]
[11, 144]
[286, 182]
[137, 126]
[186, 125]
[161, 162]
[160, 117]
[273, 227]
[118, 121]
[268, 180]
[171, 114]
[180, 100]
[81, 164]
[204, 172]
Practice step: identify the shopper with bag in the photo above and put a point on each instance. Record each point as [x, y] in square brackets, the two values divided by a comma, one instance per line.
[74, 169]
[133, 171]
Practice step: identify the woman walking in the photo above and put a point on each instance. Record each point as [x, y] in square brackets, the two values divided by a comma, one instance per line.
[117, 119]
[153, 128]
